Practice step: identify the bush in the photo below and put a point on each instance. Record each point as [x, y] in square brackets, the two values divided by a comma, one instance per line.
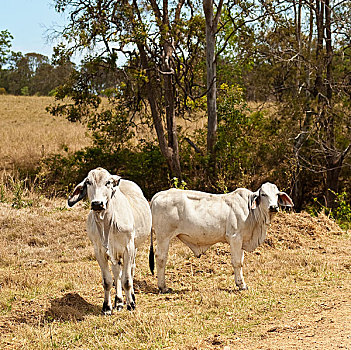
[59, 174]
[25, 91]
[250, 149]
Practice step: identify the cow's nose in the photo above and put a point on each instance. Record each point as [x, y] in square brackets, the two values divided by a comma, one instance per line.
[97, 205]
[273, 208]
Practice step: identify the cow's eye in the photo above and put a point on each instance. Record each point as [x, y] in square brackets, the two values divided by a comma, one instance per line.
[263, 195]
[88, 182]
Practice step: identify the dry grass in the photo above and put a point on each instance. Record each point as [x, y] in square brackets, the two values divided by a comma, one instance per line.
[50, 284]
[51, 292]
[28, 132]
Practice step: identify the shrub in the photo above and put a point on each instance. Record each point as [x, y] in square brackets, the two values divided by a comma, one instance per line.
[250, 148]
[58, 174]
[341, 214]
[25, 91]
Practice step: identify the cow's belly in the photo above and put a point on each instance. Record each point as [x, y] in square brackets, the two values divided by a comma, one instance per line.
[202, 233]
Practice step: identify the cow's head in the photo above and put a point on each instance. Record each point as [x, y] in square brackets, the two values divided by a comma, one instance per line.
[99, 185]
[269, 198]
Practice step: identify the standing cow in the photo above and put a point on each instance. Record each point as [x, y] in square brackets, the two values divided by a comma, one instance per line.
[118, 223]
[199, 220]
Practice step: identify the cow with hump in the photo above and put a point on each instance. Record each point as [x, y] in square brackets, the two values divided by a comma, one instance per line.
[199, 220]
[118, 223]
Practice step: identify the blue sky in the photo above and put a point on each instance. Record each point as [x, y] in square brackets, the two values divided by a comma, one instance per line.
[28, 22]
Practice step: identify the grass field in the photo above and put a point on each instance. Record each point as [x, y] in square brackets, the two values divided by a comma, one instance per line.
[51, 294]
[28, 132]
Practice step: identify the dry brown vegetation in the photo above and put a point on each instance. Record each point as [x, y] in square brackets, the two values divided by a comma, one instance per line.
[28, 132]
[51, 293]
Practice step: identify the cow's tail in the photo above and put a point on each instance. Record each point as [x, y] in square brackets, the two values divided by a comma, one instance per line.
[151, 255]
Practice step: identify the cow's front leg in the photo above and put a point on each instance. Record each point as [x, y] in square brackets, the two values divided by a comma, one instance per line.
[117, 273]
[237, 257]
[161, 260]
[127, 278]
[107, 280]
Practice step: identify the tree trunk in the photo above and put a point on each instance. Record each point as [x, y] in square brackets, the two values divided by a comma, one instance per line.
[332, 182]
[211, 28]
[168, 150]
[333, 160]
[170, 112]
[298, 181]
[318, 85]
[211, 83]
[169, 147]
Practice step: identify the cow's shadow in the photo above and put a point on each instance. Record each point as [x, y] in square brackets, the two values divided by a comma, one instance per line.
[142, 287]
[71, 307]
[231, 290]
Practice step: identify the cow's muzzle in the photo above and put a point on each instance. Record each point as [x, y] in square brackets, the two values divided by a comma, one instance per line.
[97, 206]
[273, 209]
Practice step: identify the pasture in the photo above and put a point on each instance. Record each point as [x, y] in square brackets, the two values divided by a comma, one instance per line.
[51, 292]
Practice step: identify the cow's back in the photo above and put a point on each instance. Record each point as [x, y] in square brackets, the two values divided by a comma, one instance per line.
[199, 215]
[141, 210]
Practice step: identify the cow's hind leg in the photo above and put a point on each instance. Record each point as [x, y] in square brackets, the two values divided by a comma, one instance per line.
[161, 260]
[127, 278]
[107, 280]
[133, 273]
[117, 273]
[237, 257]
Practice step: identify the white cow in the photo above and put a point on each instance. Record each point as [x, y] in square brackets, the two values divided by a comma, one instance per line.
[199, 220]
[118, 223]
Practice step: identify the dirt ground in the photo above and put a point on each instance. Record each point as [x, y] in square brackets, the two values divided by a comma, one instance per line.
[327, 324]
[299, 293]
[326, 327]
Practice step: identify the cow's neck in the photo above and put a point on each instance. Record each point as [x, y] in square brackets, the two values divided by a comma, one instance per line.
[101, 220]
[259, 221]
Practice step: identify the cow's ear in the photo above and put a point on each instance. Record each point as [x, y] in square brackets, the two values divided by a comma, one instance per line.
[254, 201]
[116, 180]
[78, 194]
[284, 200]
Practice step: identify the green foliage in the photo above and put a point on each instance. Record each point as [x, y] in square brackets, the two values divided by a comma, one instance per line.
[111, 128]
[343, 211]
[2, 194]
[180, 184]
[53, 92]
[144, 164]
[18, 200]
[25, 91]
[341, 214]
[5, 46]
[32, 74]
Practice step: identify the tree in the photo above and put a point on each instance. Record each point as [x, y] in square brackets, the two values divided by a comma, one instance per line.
[211, 30]
[5, 46]
[161, 48]
[300, 43]
[33, 73]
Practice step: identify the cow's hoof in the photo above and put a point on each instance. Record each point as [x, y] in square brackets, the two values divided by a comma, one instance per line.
[165, 290]
[131, 306]
[243, 287]
[118, 303]
[106, 309]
